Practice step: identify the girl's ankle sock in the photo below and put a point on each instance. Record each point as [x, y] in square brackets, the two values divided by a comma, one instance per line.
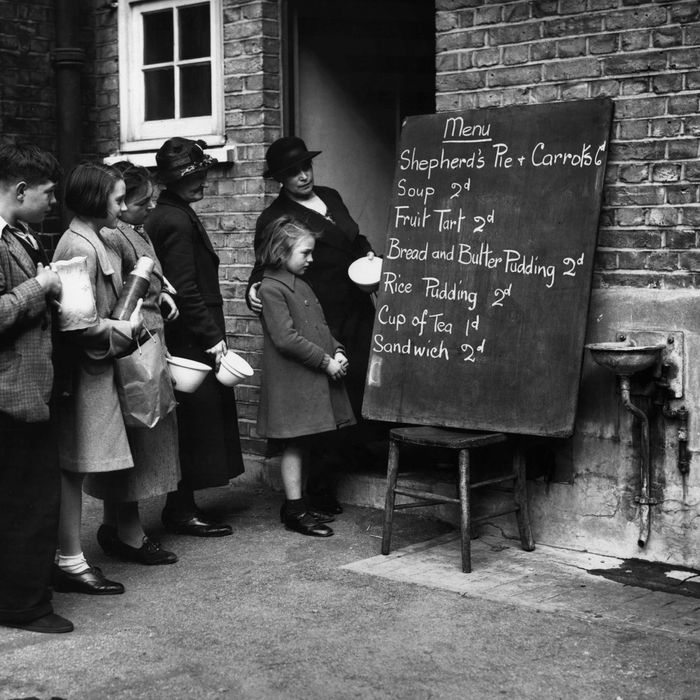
[75, 564]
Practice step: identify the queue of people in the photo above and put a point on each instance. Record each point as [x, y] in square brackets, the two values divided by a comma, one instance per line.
[62, 427]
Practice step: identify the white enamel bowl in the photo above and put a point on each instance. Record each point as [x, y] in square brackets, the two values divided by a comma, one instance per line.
[366, 273]
[187, 374]
[233, 369]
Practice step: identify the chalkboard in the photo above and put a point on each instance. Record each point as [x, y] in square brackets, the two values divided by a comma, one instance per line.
[487, 270]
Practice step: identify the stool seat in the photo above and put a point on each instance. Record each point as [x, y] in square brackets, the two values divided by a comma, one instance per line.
[441, 437]
[461, 441]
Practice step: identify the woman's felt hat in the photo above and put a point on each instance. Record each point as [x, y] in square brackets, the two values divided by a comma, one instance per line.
[179, 157]
[285, 153]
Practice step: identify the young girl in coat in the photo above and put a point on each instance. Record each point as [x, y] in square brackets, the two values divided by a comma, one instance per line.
[303, 398]
[92, 435]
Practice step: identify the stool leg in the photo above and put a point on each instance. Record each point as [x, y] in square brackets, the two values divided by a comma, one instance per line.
[392, 472]
[520, 494]
[465, 507]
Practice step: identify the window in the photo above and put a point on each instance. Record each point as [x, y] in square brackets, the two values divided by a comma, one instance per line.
[170, 72]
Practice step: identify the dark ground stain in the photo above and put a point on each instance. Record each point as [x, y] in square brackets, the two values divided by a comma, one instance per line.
[652, 576]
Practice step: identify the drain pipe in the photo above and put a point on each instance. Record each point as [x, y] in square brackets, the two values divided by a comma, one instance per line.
[68, 60]
[643, 500]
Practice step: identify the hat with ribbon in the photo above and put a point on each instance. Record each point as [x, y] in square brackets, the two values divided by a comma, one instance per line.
[285, 153]
[179, 157]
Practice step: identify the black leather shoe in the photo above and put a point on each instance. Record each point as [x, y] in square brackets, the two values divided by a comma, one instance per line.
[306, 525]
[324, 502]
[48, 624]
[91, 581]
[195, 525]
[317, 515]
[150, 552]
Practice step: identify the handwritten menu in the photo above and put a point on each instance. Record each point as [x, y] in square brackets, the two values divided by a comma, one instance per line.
[482, 304]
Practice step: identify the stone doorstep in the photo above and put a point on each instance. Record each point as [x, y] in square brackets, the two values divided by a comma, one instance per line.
[368, 489]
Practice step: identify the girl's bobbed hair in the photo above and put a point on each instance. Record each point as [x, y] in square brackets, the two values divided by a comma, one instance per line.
[135, 177]
[278, 239]
[88, 188]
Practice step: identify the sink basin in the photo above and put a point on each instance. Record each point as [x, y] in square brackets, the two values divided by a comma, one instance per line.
[625, 358]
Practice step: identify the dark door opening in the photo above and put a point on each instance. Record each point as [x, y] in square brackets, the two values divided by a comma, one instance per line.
[355, 69]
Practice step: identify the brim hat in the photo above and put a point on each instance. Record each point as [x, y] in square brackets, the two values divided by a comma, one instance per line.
[179, 157]
[285, 153]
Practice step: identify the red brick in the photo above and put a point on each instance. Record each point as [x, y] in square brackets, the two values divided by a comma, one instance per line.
[684, 239]
[663, 216]
[681, 194]
[513, 76]
[679, 150]
[666, 172]
[604, 43]
[624, 238]
[684, 12]
[635, 40]
[683, 104]
[638, 17]
[667, 37]
[630, 216]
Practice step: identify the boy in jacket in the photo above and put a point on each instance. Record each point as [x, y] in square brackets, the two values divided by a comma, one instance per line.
[29, 476]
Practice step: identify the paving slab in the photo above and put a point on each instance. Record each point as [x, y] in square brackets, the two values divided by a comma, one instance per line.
[549, 578]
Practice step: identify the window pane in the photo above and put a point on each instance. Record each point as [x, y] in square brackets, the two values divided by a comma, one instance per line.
[158, 37]
[193, 28]
[195, 90]
[160, 93]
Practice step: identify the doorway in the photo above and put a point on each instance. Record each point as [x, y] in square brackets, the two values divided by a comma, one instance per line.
[354, 70]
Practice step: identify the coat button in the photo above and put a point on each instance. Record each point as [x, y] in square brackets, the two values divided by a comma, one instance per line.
[306, 302]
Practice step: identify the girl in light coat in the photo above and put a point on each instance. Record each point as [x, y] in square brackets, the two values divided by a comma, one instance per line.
[92, 435]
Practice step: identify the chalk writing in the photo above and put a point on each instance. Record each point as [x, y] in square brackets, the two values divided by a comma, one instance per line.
[488, 258]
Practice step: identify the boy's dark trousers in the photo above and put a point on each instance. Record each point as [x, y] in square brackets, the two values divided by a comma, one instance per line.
[29, 503]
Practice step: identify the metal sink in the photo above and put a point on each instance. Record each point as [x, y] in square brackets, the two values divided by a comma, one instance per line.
[625, 358]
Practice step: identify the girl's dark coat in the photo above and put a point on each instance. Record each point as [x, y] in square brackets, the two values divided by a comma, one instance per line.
[297, 397]
[348, 310]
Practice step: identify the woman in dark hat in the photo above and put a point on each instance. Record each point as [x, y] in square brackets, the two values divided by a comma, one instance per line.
[209, 443]
[349, 312]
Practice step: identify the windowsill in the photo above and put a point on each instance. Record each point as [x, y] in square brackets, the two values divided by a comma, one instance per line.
[224, 154]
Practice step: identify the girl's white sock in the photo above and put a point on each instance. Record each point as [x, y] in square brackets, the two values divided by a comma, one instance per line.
[75, 564]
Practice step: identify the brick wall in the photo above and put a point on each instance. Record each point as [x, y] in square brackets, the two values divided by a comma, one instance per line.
[646, 57]
[27, 97]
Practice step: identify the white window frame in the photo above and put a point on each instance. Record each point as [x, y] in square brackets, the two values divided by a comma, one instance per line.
[137, 134]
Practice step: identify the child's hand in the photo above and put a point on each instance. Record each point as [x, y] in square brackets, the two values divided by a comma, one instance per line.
[136, 320]
[340, 357]
[334, 369]
[254, 299]
[50, 281]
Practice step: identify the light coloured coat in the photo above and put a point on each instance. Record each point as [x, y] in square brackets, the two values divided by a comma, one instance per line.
[92, 435]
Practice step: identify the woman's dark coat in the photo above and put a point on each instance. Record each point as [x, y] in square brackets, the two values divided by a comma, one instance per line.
[210, 450]
[349, 312]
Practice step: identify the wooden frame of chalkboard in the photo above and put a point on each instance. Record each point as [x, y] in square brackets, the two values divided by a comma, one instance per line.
[486, 278]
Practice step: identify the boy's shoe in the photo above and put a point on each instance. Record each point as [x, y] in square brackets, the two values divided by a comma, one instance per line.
[48, 624]
[317, 515]
[150, 552]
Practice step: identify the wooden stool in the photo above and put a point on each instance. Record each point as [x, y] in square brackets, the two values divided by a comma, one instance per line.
[463, 441]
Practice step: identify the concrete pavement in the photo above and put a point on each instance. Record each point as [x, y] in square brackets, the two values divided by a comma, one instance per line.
[272, 614]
